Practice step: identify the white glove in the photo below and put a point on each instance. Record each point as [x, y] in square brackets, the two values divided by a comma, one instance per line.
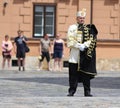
[77, 45]
[82, 47]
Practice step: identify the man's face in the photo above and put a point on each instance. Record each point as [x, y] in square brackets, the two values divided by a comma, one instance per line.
[46, 36]
[80, 20]
[20, 33]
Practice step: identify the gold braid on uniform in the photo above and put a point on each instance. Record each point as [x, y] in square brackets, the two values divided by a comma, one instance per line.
[91, 47]
[87, 37]
[86, 33]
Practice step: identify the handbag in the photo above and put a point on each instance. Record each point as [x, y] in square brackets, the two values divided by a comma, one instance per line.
[27, 49]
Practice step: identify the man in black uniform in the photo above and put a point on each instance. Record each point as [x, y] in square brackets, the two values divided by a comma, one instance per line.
[81, 40]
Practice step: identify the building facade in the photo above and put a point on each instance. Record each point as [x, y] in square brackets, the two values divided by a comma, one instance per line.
[37, 17]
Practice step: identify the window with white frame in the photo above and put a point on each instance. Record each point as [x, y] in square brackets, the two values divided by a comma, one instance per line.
[44, 20]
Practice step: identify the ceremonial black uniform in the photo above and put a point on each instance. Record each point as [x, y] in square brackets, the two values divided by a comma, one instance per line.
[86, 67]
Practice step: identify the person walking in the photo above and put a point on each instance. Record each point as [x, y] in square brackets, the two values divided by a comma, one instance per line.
[81, 39]
[58, 48]
[19, 48]
[6, 51]
[44, 49]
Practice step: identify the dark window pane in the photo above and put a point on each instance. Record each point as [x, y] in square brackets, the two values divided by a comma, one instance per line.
[49, 30]
[49, 9]
[49, 21]
[39, 13]
[38, 20]
[38, 31]
[49, 14]
[39, 9]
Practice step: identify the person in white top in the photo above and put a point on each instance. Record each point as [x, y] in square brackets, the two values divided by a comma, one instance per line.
[81, 39]
[6, 51]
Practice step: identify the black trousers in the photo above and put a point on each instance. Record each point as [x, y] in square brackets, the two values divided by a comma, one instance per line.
[76, 77]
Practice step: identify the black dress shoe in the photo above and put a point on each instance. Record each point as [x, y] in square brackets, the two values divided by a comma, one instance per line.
[70, 94]
[88, 95]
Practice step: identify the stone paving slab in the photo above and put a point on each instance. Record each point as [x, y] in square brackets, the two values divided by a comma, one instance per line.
[45, 89]
[60, 102]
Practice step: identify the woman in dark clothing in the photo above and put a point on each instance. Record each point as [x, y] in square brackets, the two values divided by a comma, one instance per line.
[58, 47]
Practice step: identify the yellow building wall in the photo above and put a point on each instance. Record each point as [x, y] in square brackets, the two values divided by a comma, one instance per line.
[18, 14]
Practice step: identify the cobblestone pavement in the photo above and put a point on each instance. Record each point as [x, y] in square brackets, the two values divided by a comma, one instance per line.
[46, 89]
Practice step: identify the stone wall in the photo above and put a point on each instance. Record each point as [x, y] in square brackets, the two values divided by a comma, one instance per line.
[108, 64]
[102, 64]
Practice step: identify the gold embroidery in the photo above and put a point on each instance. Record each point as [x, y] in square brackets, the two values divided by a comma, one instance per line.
[79, 36]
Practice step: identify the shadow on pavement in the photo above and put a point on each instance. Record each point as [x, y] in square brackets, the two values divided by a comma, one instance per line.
[99, 82]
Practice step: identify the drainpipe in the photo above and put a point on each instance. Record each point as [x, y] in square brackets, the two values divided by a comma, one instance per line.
[91, 12]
